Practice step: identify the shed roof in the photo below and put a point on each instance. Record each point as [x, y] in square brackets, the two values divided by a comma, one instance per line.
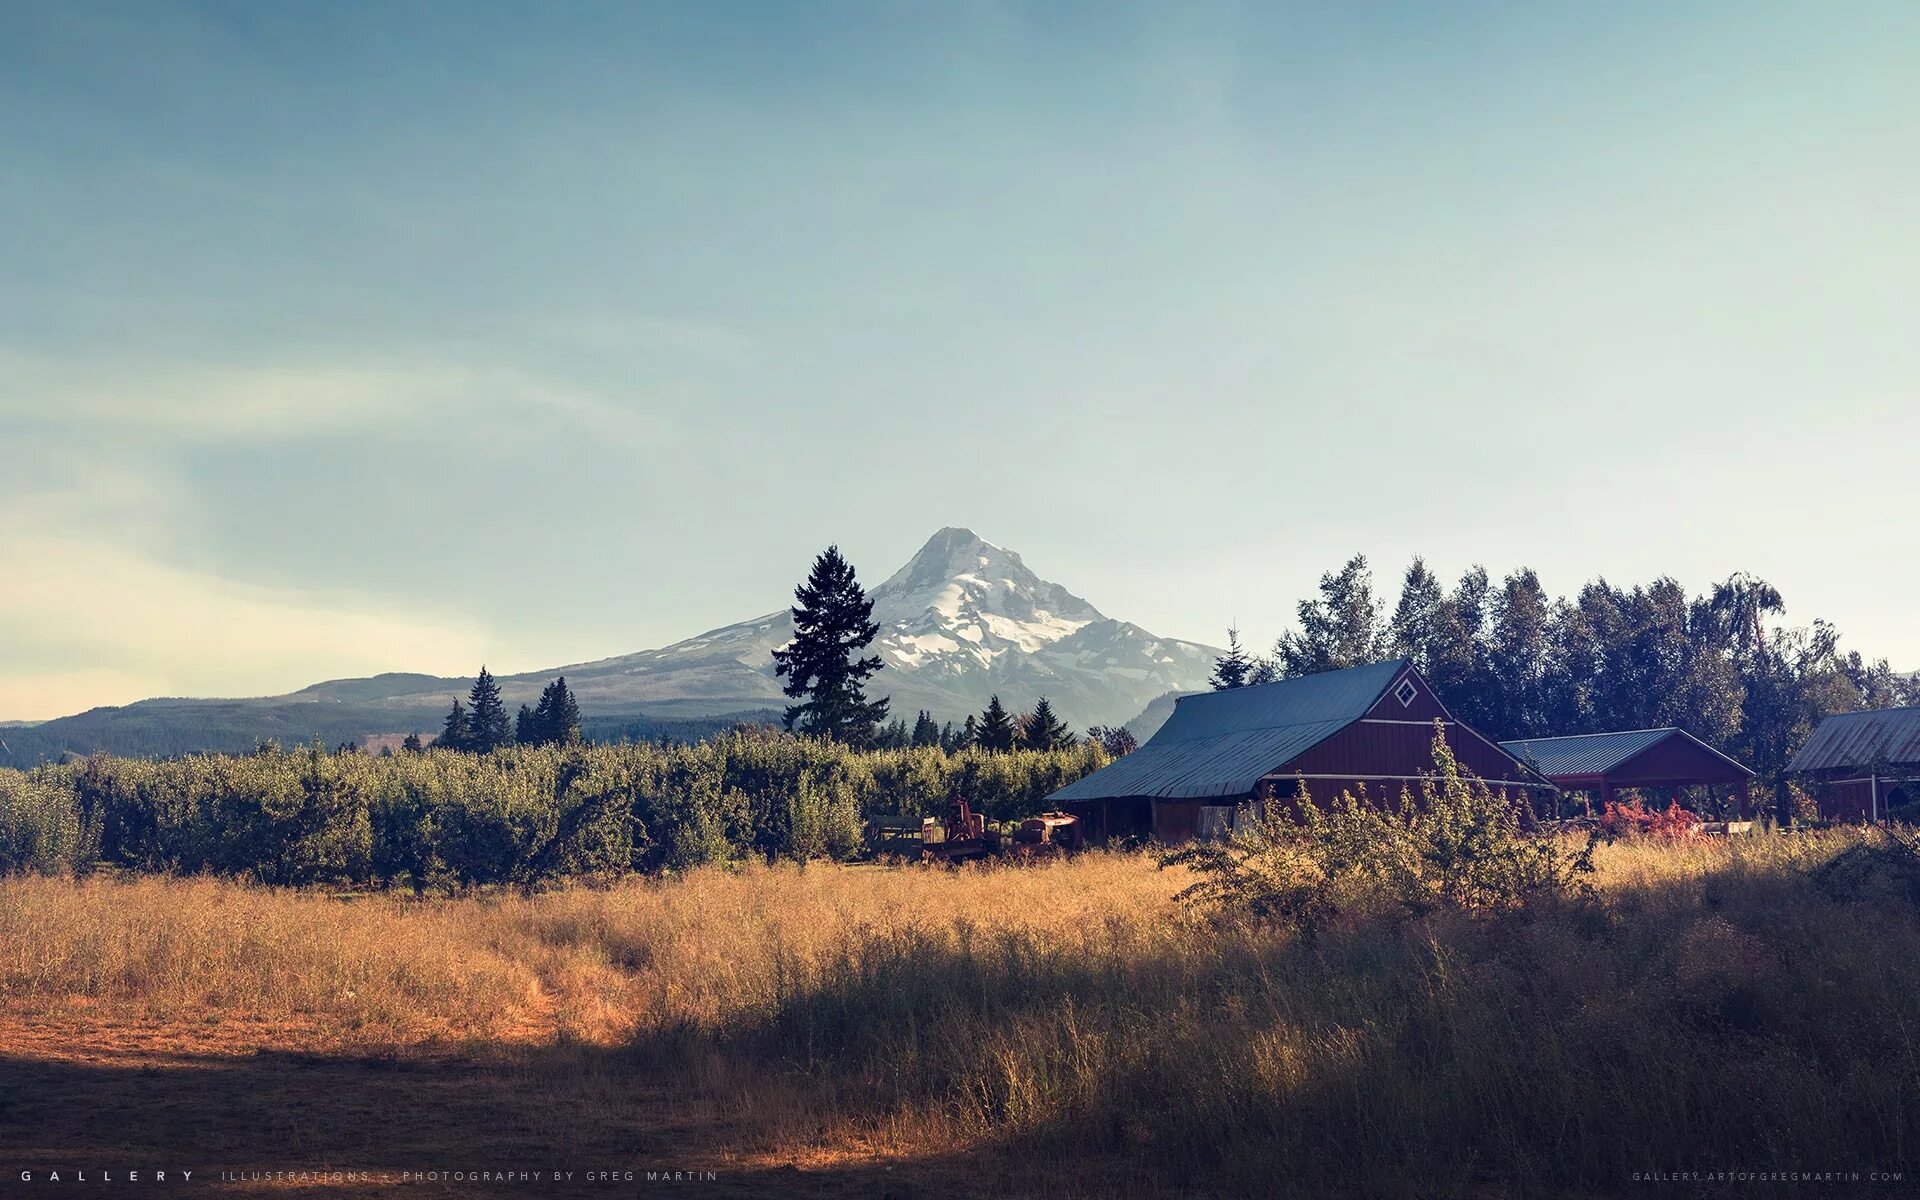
[1223, 743]
[1862, 740]
[1599, 753]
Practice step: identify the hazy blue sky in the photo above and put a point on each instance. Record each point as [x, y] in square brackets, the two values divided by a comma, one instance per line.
[337, 338]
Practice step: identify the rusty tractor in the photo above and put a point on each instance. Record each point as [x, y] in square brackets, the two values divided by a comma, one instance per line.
[963, 836]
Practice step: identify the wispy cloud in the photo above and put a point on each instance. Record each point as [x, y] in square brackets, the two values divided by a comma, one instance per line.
[248, 402]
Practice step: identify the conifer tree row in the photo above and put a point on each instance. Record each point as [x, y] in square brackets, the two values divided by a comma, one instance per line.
[481, 725]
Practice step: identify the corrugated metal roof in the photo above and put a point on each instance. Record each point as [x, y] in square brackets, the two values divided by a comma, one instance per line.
[1862, 740]
[1596, 753]
[1584, 753]
[1223, 743]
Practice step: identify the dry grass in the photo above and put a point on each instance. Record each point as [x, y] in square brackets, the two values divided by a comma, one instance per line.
[1713, 1006]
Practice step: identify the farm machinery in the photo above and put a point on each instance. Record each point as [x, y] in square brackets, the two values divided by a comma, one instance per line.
[964, 836]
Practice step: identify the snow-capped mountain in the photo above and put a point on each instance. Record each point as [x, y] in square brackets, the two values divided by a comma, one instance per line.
[962, 621]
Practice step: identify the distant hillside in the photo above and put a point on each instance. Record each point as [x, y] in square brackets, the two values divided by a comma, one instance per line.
[1154, 716]
[962, 621]
[167, 728]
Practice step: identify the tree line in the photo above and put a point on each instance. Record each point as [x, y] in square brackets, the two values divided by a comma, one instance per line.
[1513, 661]
[995, 729]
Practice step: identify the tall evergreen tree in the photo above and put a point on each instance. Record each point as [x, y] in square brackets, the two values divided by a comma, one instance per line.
[1042, 730]
[526, 729]
[563, 721]
[455, 733]
[995, 730]
[969, 733]
[556, 720]
[1231, 669]
[487, 724]
[925, 732]
[832, 623]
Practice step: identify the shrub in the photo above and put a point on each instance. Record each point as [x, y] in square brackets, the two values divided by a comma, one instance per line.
[1457, 846]
[1632, 818]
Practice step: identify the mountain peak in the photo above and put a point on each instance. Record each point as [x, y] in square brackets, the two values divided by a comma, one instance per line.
[955, 553]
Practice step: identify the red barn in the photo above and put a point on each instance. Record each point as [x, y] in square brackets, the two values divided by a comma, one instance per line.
[1368, 727]
[1863, 764]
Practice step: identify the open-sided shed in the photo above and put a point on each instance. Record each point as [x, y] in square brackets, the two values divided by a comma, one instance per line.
[1863, 764]
[1365, 727]
[1646, 760]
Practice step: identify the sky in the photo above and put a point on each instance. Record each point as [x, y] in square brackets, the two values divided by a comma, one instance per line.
[346, 338]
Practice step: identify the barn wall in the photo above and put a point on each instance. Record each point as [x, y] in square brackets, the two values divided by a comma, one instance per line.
[1852, 799]
[1176, 821]
[1113, 820]
[1372, 749]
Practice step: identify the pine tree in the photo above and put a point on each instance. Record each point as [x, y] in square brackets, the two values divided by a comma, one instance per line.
[1043, 730]
[556, 720]
[562, 727]
[831, 624]
[487, 727]
[925, 732]
[411, 743]
[969, 733]
[1230, 670]
[526, 729]
[456, 733]
[996, 730]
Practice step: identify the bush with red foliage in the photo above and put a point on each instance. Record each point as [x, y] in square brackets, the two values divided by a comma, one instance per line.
[1634, 819]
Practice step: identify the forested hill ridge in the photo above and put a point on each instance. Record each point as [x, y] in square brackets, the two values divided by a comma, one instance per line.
[962, 621]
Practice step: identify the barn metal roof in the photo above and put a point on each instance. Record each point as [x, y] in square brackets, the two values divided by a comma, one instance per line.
[1862, 740]
[1598, 753]
[1223, 743]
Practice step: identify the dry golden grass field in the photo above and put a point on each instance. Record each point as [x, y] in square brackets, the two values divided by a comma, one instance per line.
[1066, 1030]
